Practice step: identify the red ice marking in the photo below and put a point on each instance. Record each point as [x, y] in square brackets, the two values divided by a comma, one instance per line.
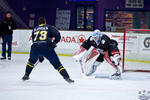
[93, 53]
[2, 66]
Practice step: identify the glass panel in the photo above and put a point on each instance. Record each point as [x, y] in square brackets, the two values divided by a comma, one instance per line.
[119, 20]
[89, 18]
[80, 18]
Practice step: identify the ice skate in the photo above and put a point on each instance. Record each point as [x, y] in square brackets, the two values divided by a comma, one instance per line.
[25, 77]
[69, 80]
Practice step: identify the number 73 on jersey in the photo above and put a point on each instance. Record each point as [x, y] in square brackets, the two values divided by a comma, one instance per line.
[40, 35]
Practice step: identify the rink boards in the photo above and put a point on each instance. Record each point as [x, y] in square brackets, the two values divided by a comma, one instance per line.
[71, 41]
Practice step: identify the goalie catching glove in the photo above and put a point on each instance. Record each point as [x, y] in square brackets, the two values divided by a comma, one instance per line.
[54, 45]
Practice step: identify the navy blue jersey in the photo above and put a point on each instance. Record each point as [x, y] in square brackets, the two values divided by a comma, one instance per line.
[45, 33]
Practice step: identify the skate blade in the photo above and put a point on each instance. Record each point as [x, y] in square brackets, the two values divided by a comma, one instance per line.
[115, 78]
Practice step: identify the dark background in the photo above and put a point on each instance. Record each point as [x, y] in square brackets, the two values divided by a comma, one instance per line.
[47, 8]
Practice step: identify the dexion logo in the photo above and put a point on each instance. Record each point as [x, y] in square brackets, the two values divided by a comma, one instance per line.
[147, 42]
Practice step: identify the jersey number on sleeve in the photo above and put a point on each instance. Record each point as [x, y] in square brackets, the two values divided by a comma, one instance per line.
[43, 35]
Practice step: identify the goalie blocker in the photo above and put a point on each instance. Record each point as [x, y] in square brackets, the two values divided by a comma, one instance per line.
[104, 47]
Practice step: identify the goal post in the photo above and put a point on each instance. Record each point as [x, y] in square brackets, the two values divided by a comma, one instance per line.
[136, 50]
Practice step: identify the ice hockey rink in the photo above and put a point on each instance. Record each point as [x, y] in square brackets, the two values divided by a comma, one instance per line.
[46, 84]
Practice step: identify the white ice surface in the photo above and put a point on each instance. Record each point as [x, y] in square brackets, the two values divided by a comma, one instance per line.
[47, 84]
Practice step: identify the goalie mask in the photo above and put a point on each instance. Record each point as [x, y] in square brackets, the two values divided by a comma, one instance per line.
[96, 36]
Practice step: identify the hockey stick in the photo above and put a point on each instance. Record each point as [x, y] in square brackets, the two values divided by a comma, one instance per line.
[81, 66]
[36, 63]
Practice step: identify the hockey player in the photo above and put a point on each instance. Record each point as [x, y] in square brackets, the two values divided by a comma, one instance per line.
[43, 46]
[104, 45]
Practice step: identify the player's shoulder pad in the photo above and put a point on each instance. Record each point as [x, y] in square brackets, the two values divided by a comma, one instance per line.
[90, 38]
[105, 36]
[51, 27]
[105, 39]
[114, 42]
[35, 28]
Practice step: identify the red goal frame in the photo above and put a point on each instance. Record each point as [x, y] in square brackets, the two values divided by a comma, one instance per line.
[124, 40]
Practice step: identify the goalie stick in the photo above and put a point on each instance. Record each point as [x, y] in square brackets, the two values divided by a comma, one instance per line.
[81, 66]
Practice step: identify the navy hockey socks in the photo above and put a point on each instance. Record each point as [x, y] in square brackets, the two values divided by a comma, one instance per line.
[63, 72]
[29, 68]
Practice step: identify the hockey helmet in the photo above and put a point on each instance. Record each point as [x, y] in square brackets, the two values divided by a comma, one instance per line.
[96, 36]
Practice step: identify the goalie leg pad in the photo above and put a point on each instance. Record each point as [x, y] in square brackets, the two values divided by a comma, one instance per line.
[93, 68]
[91, 64]
[80, 54]
[116, 59]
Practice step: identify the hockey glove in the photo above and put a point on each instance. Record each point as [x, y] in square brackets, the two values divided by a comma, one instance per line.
[41, 59]
[54, 45]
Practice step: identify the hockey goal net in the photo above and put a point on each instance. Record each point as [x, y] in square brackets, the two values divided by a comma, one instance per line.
[136, 50]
